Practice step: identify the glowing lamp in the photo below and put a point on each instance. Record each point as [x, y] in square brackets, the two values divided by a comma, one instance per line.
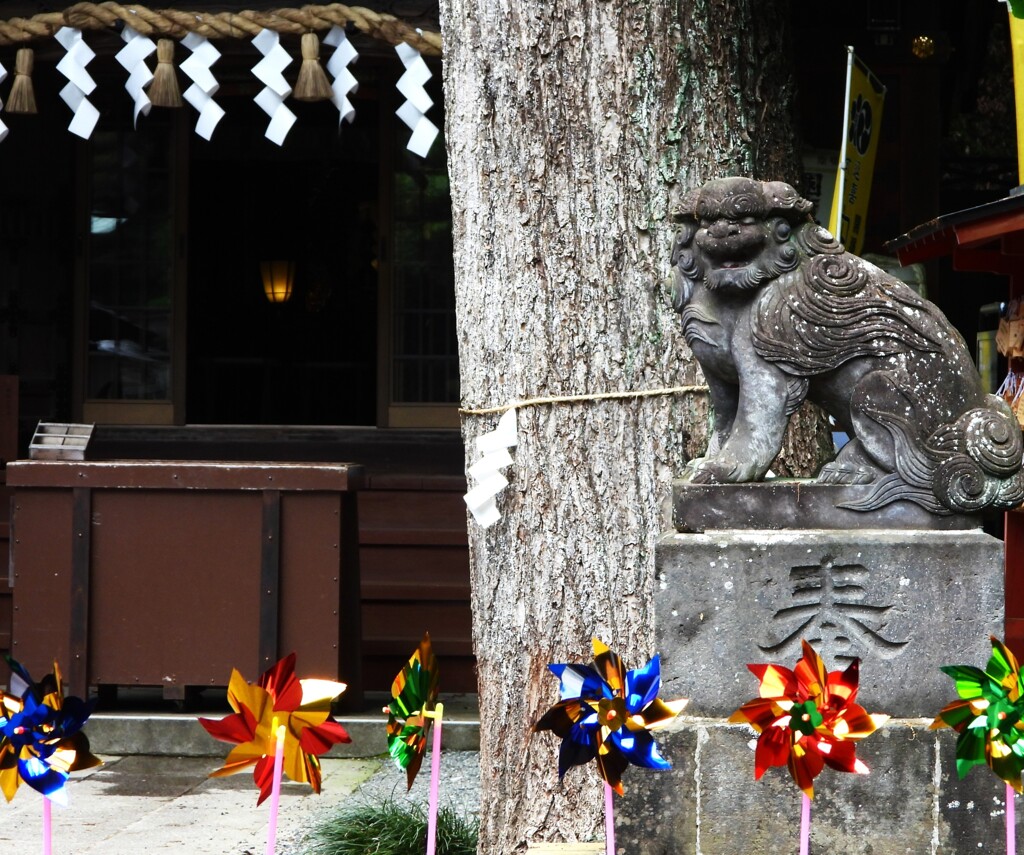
[278, 277]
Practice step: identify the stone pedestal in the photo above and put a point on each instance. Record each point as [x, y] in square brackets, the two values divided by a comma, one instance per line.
[912, 802]
[904, 600]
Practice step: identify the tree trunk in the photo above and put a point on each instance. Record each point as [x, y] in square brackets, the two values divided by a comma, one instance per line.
[568, 123]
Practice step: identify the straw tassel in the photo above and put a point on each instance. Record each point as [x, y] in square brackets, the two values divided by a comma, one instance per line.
[165, 91]
[312, 84]
[23, 94]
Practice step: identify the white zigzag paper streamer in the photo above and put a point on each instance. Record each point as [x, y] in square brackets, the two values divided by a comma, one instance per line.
[4, 130]
[204, 84]
[344, 81]
[133, 59]
[80, 83]
[486, 471]
[275, 87]
[412, 112]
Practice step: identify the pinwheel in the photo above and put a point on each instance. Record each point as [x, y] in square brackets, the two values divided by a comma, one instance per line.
[41, 738]
[988, 716]
[413, 695]
[412, 709]
[279, 699]
[606, 713]
[807, 719]
[988, 720]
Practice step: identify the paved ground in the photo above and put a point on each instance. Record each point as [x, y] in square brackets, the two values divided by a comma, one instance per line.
[145, 804]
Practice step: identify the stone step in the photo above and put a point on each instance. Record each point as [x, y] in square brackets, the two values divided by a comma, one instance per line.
[181, 735]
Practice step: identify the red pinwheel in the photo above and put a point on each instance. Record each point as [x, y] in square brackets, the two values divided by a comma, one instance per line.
[302, 707]
[607, 713]
[807, 719]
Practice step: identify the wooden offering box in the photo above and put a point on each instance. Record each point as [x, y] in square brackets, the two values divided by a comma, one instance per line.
[156, 573]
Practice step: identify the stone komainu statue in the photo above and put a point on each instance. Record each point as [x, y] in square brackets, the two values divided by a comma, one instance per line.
[776, 312]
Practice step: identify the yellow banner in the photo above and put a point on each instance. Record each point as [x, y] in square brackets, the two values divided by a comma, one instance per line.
[1017, 41]
[849, 215]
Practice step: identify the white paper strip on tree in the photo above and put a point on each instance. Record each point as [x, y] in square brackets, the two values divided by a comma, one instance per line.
[412, 112]
[80, 83]
[345, 82]
[133, 59]
[204, 85]
[275, 87]
[4, 130]
[486, 471]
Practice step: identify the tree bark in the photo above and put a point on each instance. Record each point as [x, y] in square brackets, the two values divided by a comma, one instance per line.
[568, 124]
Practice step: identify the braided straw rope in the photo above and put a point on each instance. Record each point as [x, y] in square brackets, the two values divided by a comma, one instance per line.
[579, 399]
[219, 25]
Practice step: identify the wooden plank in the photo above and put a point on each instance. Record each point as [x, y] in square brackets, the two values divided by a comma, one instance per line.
[350, 632]
[81, 532]
[432, 592]
[407, 510]
[8, 418]
[989, 228]
[411, 536]
[458, 674]
[270, 579]
[415, 566]
[189, 475]
[400, 648]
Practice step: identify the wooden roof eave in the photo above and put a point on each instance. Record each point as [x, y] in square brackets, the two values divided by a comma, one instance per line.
[981, 238]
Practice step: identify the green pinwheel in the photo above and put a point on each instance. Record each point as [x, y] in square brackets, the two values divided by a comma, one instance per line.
[988, 716]
[413, 694]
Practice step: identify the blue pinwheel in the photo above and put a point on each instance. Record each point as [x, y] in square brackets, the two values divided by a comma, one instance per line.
[41, 738]
[606, 713]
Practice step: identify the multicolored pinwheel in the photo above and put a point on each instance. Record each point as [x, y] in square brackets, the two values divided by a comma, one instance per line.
[607, 713]
[807, 719]
[413, 693]
[41, 738]
[302, 707]
[988, 716]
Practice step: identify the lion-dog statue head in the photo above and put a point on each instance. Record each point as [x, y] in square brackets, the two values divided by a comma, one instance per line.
[777, 312]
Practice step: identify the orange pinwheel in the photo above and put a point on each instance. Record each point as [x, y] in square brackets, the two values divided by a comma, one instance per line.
[302, 707]
[807, 719]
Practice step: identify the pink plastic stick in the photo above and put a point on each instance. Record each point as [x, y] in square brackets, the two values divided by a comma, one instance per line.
[47, 827]
[275, 792]
[805, 825]
[1011, 822]
[435, 779]
[609, 820]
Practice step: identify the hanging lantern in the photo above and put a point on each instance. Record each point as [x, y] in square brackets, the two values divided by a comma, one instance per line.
[278, 278]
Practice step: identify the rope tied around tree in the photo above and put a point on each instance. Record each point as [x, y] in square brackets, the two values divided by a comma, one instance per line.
[578, 399]
[219, 25]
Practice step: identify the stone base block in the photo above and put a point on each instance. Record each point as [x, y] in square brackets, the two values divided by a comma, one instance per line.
[911, 803]
[904, 602]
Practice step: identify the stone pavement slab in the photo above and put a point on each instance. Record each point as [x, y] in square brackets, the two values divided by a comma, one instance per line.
[133, 805]
[161, 804]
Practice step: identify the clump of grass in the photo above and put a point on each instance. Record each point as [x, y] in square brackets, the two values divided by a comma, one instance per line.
[390, 829]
